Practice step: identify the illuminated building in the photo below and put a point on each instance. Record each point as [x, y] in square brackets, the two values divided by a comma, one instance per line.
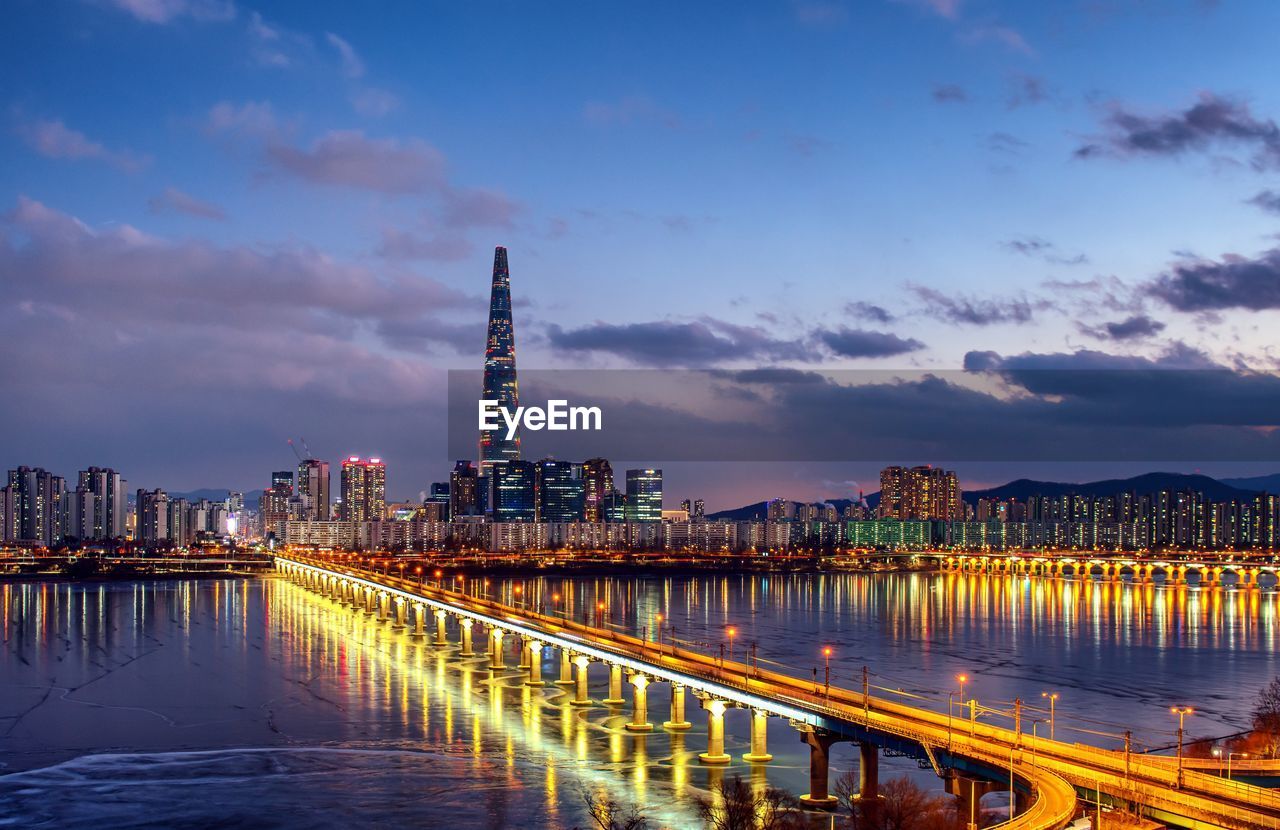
[364, 489]
[33, 506]
[644, 495]
[920, 493]
[560, 492]
[500, 367]
[597, 483]
[313, 489]
[514, 491]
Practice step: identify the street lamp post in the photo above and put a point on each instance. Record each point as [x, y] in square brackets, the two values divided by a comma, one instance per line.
[1052, 697]
[826, 656]
[731, 632]
[962, 679]
[1231, 755]
[1181, 712]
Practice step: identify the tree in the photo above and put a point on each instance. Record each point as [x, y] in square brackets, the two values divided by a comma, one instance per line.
[902, 805]
[743, 807]
[609, 814]
[1266, 719]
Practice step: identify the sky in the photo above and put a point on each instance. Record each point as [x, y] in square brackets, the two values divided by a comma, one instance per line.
[224, 224]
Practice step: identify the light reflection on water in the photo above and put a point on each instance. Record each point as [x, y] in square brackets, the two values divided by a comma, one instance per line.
[288, 710]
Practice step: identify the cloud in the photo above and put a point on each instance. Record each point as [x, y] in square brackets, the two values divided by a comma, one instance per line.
[172, 199]
[252, 119]
[374, 102]
[478, 207]
[168, 11]
[806, 145]
[1010, 38]
[1268, 200]
[54, 139]
[425, 333]
[1199, 285]
[702, 342]
[1026, 90]
[352, 65]
[961, 310]
[1136, 327]
[1210, 121]
[409, 245]
[949, 9]
[867, 311]
[632, 109]
[348, 158]
[847, 342]
[1005, 143]
[948, 93]
[1034, 246]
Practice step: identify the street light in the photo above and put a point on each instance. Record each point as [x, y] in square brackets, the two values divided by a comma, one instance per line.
[826, 656]
[1052, 697]
[730, 632]
[1231, 755]
[1181, 712]
[962, 679]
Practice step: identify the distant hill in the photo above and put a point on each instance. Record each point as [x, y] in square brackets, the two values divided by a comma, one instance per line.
[1269, 483]
[1146, 483]
[1240, 489]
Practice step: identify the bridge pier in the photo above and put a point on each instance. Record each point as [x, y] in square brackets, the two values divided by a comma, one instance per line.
[495, 648]
[639, 705]
[969, 792]
[868, 780]
[819, 741]
[419, 621]
[580, 690]
[442, 638]
[384, 601]
[615, 687]
[465, 624]
[677, 722]
[759, 753]
[402, 609]
[566, 668]
[715, 753]
[533, 649]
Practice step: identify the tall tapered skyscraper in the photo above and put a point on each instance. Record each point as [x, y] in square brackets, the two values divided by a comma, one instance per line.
[500, 367]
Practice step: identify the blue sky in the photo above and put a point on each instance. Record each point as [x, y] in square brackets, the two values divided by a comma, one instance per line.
[226, 223]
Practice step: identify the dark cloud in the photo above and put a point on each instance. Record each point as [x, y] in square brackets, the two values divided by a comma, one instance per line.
[949, 93]
[1005, 143]
[1025, 90]
[425, 333]
[869, 312]
[1216, 285]
[348, 158]
[1268, 200]
[702, 342]
[973, 311]
[1211, 120]
[1034, 246]
[847, 342]
[1137, 327]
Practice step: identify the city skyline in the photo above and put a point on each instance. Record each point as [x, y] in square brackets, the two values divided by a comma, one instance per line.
[237, 255]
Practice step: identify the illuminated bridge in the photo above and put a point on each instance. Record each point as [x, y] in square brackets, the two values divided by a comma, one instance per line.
[1210, 569]
[1048, 779]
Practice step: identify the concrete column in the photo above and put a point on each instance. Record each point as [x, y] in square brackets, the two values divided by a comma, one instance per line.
[580, 691]
[370, 602]
[534, 650]
[968, 793]
[419, 621]
[615, 687]
[566, 668]
[524, 653]
[715, 733]
[869, 774]
[384, 601]
[495, 648]
[402, 609]
[466, 624]
[759, 753]
[677, 722]
[640, 705]
[441, 616]
[819, 762]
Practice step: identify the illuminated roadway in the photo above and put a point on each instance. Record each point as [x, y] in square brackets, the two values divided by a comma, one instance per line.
[1053, 779]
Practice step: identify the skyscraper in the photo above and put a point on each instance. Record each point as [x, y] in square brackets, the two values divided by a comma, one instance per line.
[644, 495]
[560, 491]
[33, 506]
[597, 481]
[920, 493]
[99, 506]
[313, 489]
[464, 495]
[364, 489]
[514, 485]
[500, 367]
[153, 517]
[274, 504]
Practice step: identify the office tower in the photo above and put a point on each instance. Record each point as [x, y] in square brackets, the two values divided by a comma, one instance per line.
[500, 367]
[33, 506]
[364, 489]
[273, 507]
[153, 517]
[464, 485]
[644, 495]
[514, 488]
[613, 507]
[435, 504]
[597, 483]
[699, 510]
[313, 489]
[920, 493]
[560, 491]
[687, 506]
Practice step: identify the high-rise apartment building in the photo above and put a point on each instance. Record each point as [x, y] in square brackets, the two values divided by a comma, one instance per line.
[500, 367]
[644, 495]
[364, 489]
[273, 507]
[597, 484]
[153, 517]
[920, 494]
[313, 489]
[33, 506]
[99, 507]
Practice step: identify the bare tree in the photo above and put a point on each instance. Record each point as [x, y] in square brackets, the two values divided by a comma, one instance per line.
[609, 814]
[742, 807]
[902, 805]
[1266, 719]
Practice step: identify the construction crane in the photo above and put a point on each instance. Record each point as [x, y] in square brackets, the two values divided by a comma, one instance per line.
[305, 448]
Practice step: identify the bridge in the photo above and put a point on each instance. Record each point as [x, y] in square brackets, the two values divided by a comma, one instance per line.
[1049, 780]
[1210, 569]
